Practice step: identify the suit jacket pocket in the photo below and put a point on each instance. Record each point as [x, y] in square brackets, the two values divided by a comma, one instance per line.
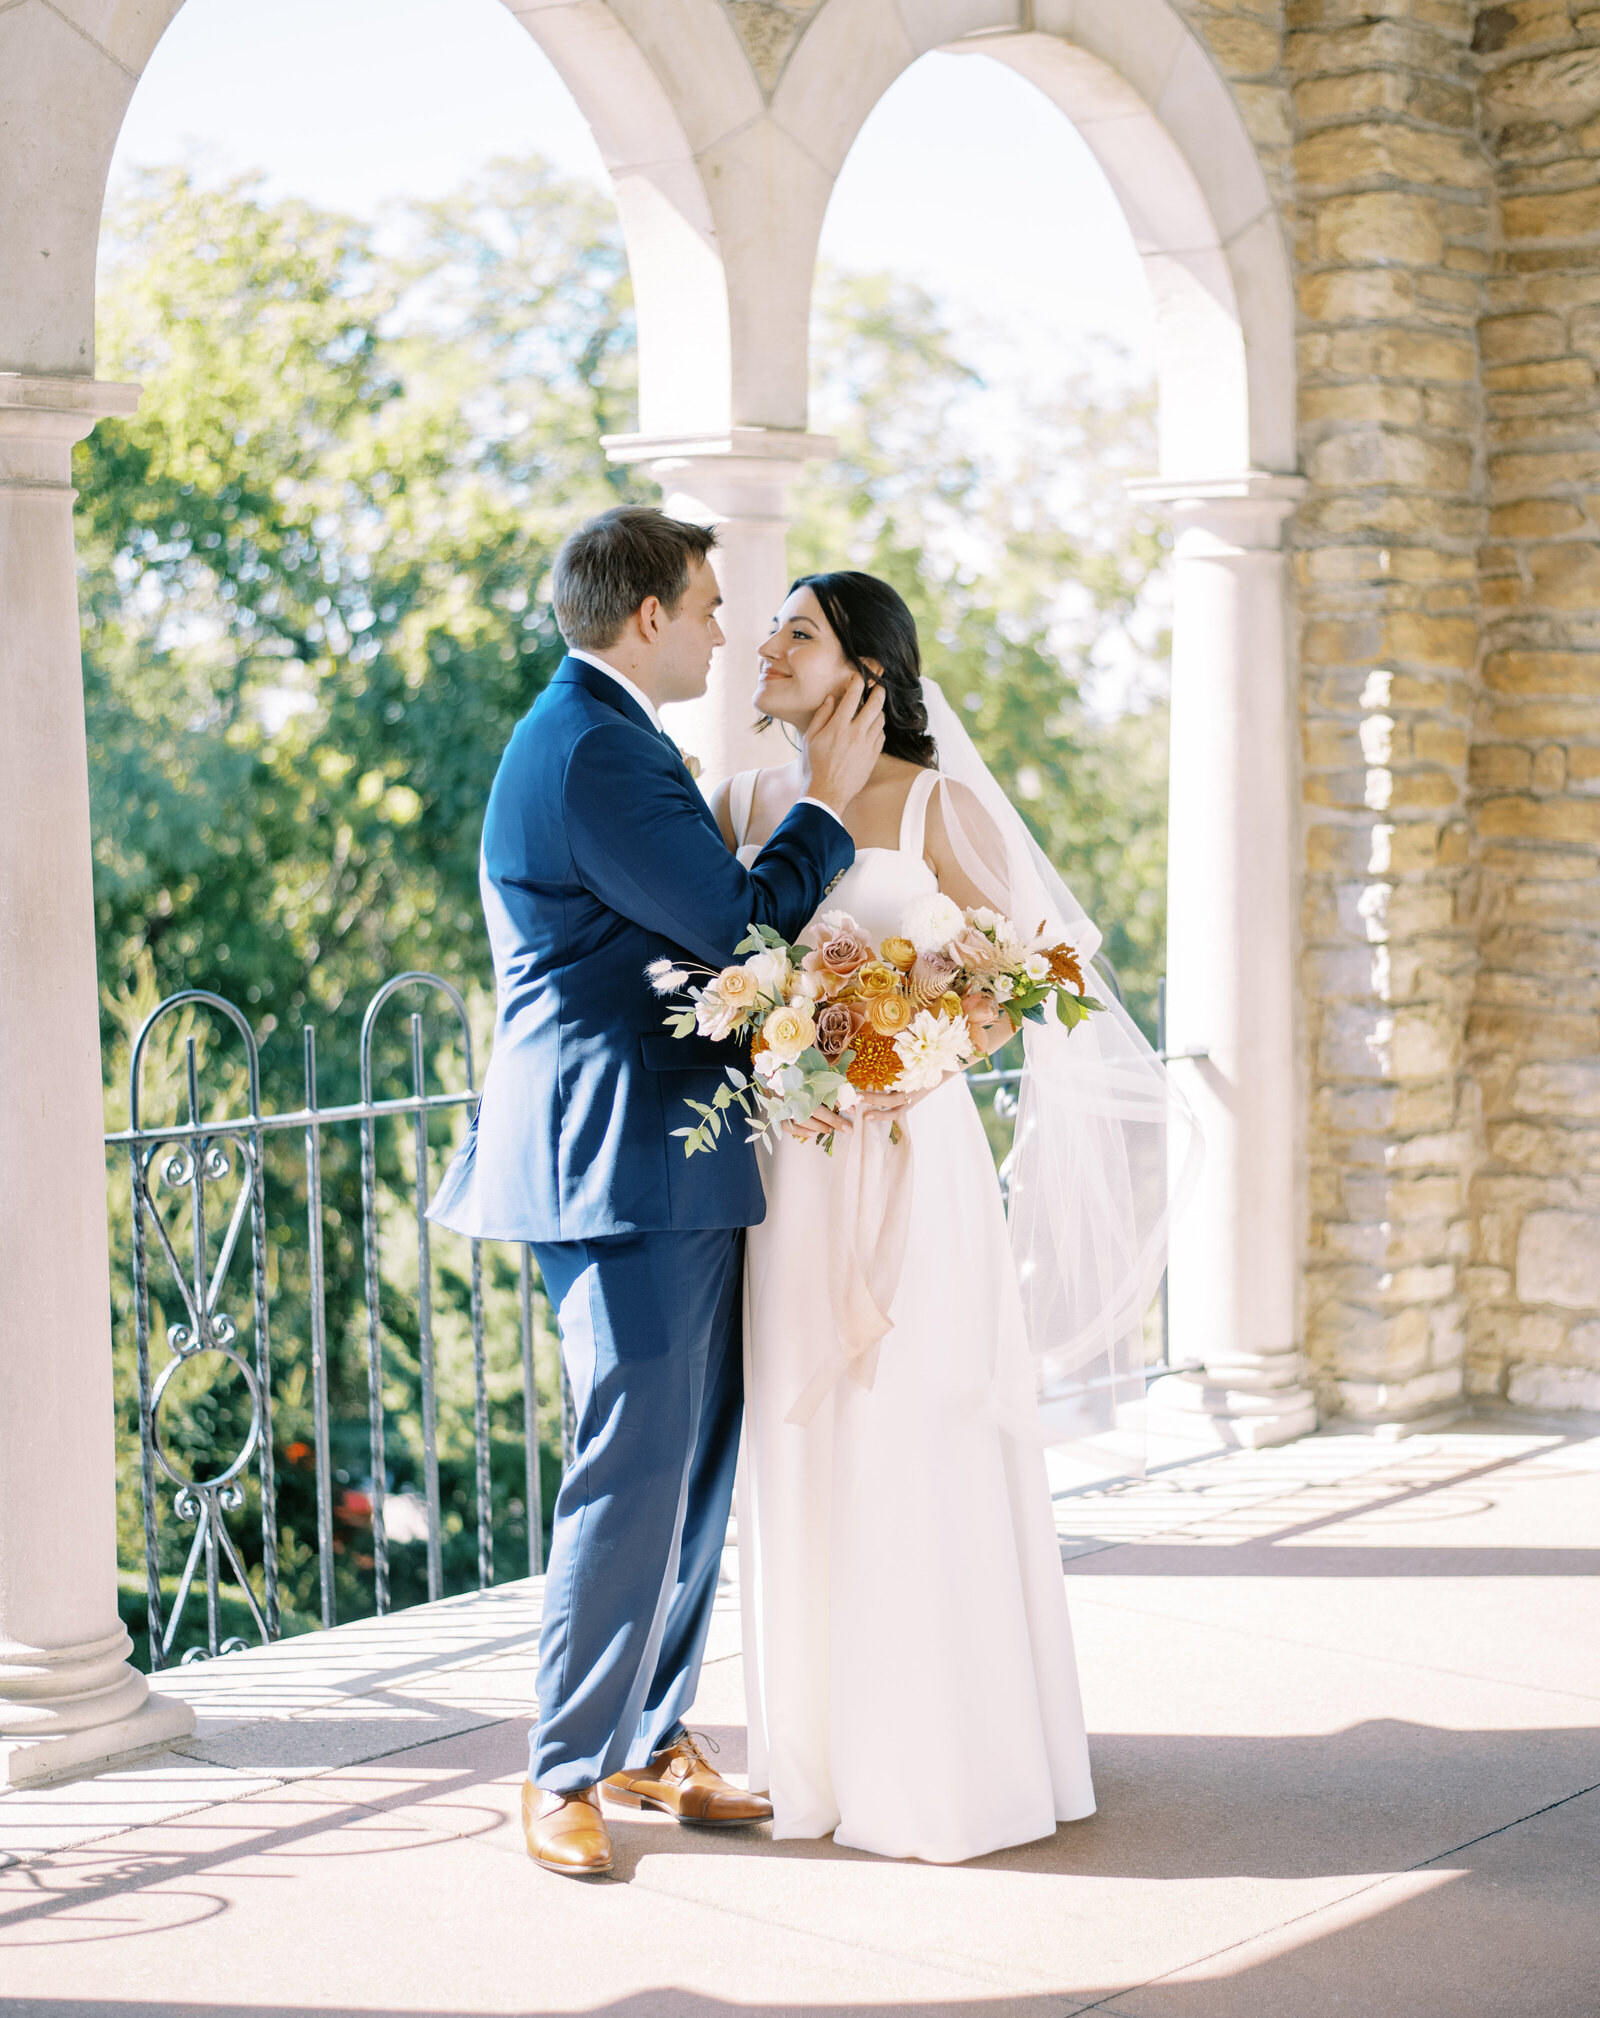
[662, 1052]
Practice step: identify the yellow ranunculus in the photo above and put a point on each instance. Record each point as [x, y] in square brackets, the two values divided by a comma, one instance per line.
[898, 952]
[874, 979]
[950, 1005]
[889, 1014]
[789, 1031]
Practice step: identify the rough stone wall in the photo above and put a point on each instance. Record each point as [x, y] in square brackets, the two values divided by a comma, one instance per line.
[1534, 1283]
[1392, 224]
[1438, 167]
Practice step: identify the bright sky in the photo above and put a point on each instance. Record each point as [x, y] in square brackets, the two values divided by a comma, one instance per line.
[964, 178]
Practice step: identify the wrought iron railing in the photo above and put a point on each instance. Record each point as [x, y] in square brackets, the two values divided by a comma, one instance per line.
[188, 1163]
[186, 1242]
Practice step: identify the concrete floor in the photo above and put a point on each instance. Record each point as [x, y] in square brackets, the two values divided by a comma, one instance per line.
[1343, 1701]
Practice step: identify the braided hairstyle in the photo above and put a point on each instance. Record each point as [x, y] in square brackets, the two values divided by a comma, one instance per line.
[871, 621]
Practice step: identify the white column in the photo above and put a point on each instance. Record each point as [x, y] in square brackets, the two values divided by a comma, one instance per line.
[69, 1702]
[739, 481]
[1231, 935]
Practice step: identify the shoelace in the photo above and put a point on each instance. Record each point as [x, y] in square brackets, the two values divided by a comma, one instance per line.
[691, 1742]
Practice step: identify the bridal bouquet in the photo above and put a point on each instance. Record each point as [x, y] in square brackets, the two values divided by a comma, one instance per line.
[833, 1017]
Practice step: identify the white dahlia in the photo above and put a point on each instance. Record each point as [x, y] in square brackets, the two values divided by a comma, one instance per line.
[930, 923]
[931, 1048]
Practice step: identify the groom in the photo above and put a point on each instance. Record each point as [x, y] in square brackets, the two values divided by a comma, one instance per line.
[599, 856]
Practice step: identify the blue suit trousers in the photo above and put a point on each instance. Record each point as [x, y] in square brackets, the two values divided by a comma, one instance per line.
[652, 1336]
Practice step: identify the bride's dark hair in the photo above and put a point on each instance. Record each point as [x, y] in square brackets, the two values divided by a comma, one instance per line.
[871, 621]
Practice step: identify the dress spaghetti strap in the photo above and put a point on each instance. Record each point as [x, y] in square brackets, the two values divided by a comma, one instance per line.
[915, 816]
[741, 801]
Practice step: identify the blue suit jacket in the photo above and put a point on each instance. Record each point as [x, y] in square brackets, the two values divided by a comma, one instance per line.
[599, 856]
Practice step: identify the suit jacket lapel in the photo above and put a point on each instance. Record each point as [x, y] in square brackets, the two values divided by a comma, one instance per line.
[579, 673]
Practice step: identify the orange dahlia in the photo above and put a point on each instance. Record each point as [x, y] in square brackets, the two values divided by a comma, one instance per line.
[876, 1066]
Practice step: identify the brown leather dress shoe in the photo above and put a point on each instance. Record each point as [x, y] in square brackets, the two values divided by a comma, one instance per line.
[566, 1832]
[680, 1782]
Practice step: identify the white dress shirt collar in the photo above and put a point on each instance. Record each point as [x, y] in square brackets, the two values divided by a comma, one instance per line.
[622, 680]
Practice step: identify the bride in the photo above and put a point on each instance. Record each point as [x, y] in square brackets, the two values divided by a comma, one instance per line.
[911, 1682]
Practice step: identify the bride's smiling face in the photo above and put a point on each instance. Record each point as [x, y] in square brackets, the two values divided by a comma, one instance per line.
[801, 663]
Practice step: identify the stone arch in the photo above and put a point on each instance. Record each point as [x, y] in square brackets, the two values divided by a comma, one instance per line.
[1148, 99]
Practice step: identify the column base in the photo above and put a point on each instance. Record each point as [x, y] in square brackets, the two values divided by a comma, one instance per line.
[159, 1721]
[1233, 1407]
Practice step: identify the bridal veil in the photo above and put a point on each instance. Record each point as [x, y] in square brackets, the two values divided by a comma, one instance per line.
[1105, 1150]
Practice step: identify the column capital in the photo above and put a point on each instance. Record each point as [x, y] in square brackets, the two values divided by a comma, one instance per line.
[759, 447]
[96, 397]
[1246, 508]
[41, 418]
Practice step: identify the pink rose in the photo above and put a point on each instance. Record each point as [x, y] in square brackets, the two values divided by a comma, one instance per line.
[931, 976]
[845, 952]
[977, 952]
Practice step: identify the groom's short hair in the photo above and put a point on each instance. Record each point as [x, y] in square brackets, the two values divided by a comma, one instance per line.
[617, 561]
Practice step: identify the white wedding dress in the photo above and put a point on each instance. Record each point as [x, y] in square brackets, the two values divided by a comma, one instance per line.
[910, 1675]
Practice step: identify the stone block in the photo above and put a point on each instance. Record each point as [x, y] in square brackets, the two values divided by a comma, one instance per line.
[1565, 575]
[1565, 215]
[1558, 1260]
[1380, 228]
[1524, 859]
[1520, 818]
[1369, 400]
[1459, 294]
[1243, 47]
[1586, 333]
[1497, 767]
[1515, 339]
[1327, 744]
[1355, 1110]
[1439, 743]
[1553, 1387]
[1378, 455]
[1535, 518]
[1568, 1090]
[1336, 850]
[1546, 470]
[1543, 718]
[1573, 376]
[1322, 43]
[1486, 1285]
[1449, 1151]
[1550, 769]
[1525, 672]
[1414, 845]
[1402, 353]
[1397, 1400]
[1425, 1042]
[1358, 294]
[1340, 155]
[1533, 1033]
[1563, 86]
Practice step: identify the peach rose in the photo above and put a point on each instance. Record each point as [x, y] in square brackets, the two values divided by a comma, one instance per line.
[789, 1031]
[737, 986]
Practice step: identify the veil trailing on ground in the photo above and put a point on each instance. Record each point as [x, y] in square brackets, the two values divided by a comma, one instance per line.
[1099, 1128]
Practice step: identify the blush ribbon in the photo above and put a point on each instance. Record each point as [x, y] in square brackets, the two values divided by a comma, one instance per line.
[869, 1217]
